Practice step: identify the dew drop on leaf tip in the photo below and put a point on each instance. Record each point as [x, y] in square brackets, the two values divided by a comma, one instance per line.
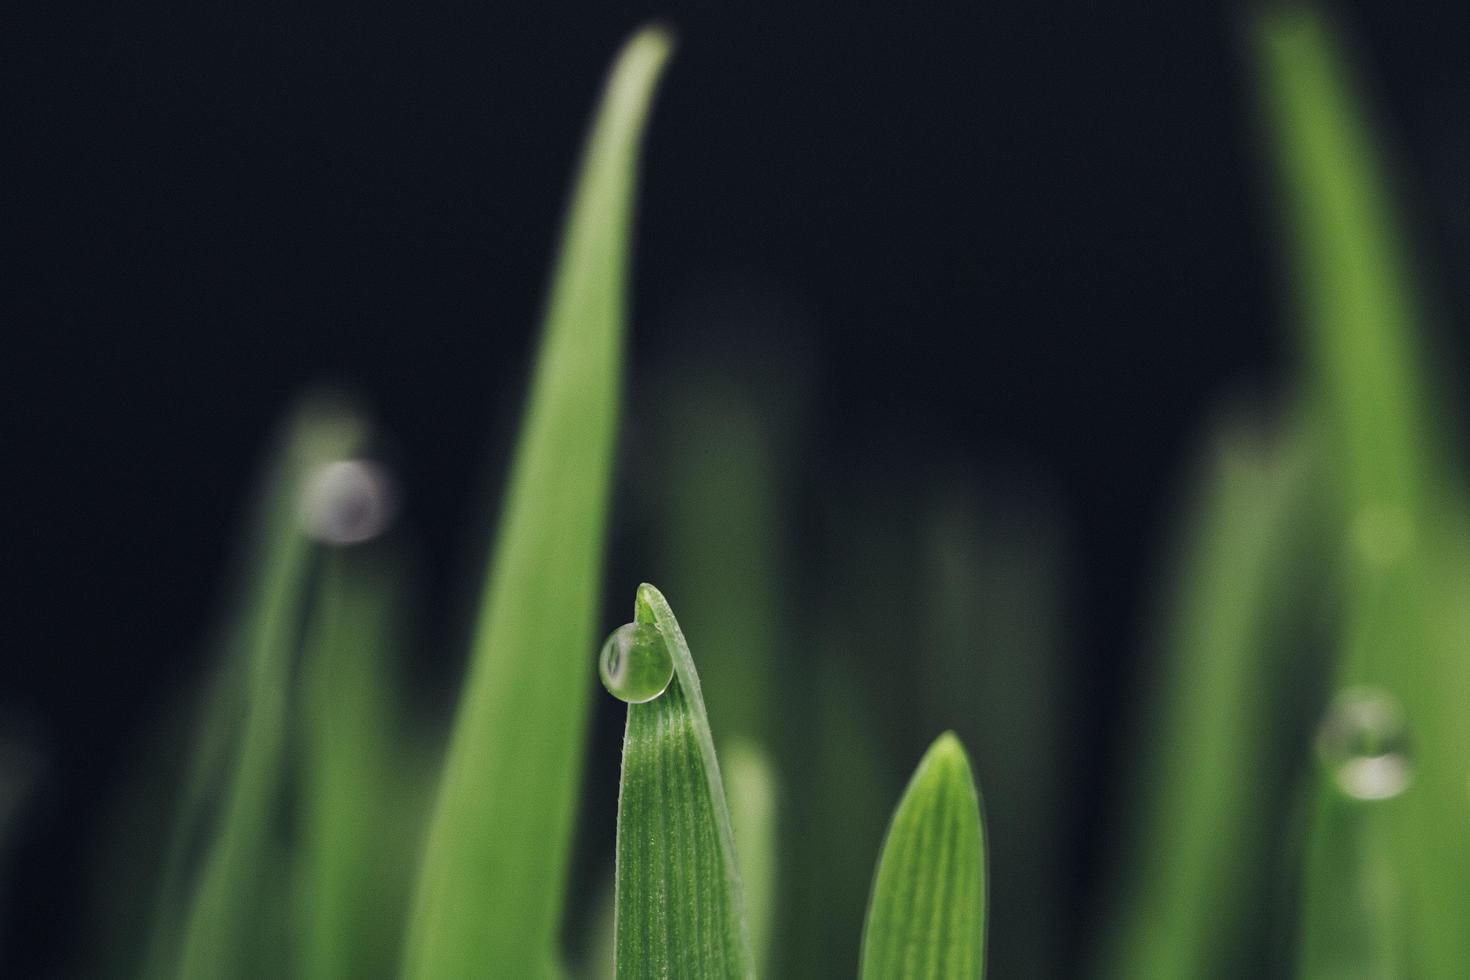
[347, 501]
[635, 664]
[1364, 745]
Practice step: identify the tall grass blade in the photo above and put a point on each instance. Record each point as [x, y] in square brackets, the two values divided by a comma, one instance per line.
[358, 795]
[679, 907]
[1216, 761]
[1360, 932]
[926, 916]
[753, 792]
[490, 886]
[1403, 623]
[236, 922]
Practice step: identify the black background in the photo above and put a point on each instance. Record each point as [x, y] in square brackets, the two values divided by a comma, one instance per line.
[1039, 231]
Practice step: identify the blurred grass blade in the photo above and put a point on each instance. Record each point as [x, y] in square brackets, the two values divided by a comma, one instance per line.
[725, 425]
[750, 781]
[490, 886]
[1404, 616]
[358, 811]
[679, 907]
[1216, 759]
[236, 925]
[1360, 933]
[926, 916]
[989, 624]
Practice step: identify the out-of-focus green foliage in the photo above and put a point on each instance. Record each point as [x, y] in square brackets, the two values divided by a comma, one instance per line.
[926, 916]
[292, 849]
[490, 886]
[1404, 558]
[679, 906]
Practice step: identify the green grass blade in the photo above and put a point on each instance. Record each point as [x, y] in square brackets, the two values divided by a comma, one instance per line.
[990, 626]
[1360, 932]
[235, 925]
[1204, 808]
[926, 916]
[357, 824]
[753, 792]
[679, 907]
[1403, 611]
[489, 893]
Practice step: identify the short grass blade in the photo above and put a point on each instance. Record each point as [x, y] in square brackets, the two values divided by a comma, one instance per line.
[490, 886]
[926, 916]
[679, 906]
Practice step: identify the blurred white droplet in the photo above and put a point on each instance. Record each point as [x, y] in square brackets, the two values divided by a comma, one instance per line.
[347, 501]
[1364, 743]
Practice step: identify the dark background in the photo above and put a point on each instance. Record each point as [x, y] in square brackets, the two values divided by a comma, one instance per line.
[1037, 231]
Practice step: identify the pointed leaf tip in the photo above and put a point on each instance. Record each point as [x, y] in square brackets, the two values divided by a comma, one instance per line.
[926, 916]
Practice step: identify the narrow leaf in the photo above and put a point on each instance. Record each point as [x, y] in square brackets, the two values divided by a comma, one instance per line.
[235, 925]
[754, 810]
[1403, 524]
[926, 916]
[490, 886]
[358, 810]
[1214, 760]
[679, 907]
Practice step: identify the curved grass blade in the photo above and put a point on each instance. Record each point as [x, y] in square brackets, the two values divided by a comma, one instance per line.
[679, 906]
[1405, 529]
[926, 916]
[489, 893]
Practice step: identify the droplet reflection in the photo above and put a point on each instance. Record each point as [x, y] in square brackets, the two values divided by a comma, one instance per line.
[1363, 742]
[635, 664]
[347, 501]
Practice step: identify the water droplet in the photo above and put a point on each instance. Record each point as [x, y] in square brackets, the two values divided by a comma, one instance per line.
[1364, 744]
[347, 501]
[635, 664]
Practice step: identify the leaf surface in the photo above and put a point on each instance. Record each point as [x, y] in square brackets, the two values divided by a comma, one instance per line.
[679, 905]
[926, 916]
[490, 887]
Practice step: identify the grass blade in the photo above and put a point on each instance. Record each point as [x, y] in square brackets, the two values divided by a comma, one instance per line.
[490, 887]
[990, 625]
[1217, 757]
[754, 796]
[926, 917]
[1405, 532]
[358, 806]
[679, 907]
[236, 924]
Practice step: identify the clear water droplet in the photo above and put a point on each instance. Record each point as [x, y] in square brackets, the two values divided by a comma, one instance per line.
[636, 665]
[347, 501]
[1364, 743]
